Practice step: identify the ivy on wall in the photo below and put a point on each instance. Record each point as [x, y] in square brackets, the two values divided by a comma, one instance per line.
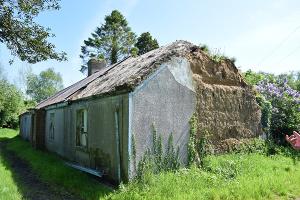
[198, 143]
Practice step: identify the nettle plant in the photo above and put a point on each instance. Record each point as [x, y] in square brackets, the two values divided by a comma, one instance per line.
[284, 109]
[198, 146]
[158, 157]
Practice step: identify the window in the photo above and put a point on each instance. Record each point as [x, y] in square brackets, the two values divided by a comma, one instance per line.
[51, 127]
[81, 128]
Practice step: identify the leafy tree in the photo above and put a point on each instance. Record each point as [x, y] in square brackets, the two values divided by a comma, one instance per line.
[42, 86]
[22, 35]
[1, 72]
[146, 43]
[298, 82]
[292, 78]
[11, 104]
[253, 78]
[112, 41]
[29, 104]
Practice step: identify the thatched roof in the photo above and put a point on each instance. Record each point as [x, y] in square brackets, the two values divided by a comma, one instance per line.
[123, 76]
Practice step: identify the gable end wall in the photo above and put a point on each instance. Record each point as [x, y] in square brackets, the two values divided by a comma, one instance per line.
[165, 100]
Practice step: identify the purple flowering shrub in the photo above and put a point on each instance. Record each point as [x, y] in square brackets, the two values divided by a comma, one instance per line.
[277, 90]
[284, 109]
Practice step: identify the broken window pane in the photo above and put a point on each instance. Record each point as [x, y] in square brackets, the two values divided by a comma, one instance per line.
[51, 127]
[81, 127]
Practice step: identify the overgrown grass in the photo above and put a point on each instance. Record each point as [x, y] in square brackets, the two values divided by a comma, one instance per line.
[7, 133]
[52, 170]
[8, 187]
[234, 176]
[230, 176]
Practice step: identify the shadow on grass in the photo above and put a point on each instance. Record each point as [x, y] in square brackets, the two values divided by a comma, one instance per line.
[20, 158]
[4, 161]
[10, 161]
[29, 185]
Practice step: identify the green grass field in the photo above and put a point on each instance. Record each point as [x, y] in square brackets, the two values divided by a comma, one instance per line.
[52, 169]
[227, 177]
[231, 176]
[8, 187]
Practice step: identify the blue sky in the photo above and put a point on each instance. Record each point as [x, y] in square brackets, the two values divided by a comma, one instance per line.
[261, 35]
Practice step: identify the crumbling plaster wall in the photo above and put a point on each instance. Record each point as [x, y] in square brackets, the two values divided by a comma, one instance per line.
[167, 101]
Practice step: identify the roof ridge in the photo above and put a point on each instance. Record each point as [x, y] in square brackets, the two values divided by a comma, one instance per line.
[129, 71]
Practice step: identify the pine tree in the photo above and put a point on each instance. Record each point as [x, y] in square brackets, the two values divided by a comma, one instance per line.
[146, 43]
[112, 41]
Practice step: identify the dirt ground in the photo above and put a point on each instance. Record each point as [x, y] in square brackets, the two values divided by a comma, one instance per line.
[29, 183]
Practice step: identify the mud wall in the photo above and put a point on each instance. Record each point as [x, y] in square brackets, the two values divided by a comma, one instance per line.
[226, 107]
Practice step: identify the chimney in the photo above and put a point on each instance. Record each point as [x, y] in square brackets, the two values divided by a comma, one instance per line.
[95, 65]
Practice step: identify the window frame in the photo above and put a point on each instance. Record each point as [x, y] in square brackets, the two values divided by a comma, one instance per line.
[81, 128]
[52, 124]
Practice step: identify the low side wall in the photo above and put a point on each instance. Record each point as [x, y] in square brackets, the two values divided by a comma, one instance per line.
[107, 127]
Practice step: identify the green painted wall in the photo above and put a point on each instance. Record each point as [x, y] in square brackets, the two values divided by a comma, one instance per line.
[104, 151]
